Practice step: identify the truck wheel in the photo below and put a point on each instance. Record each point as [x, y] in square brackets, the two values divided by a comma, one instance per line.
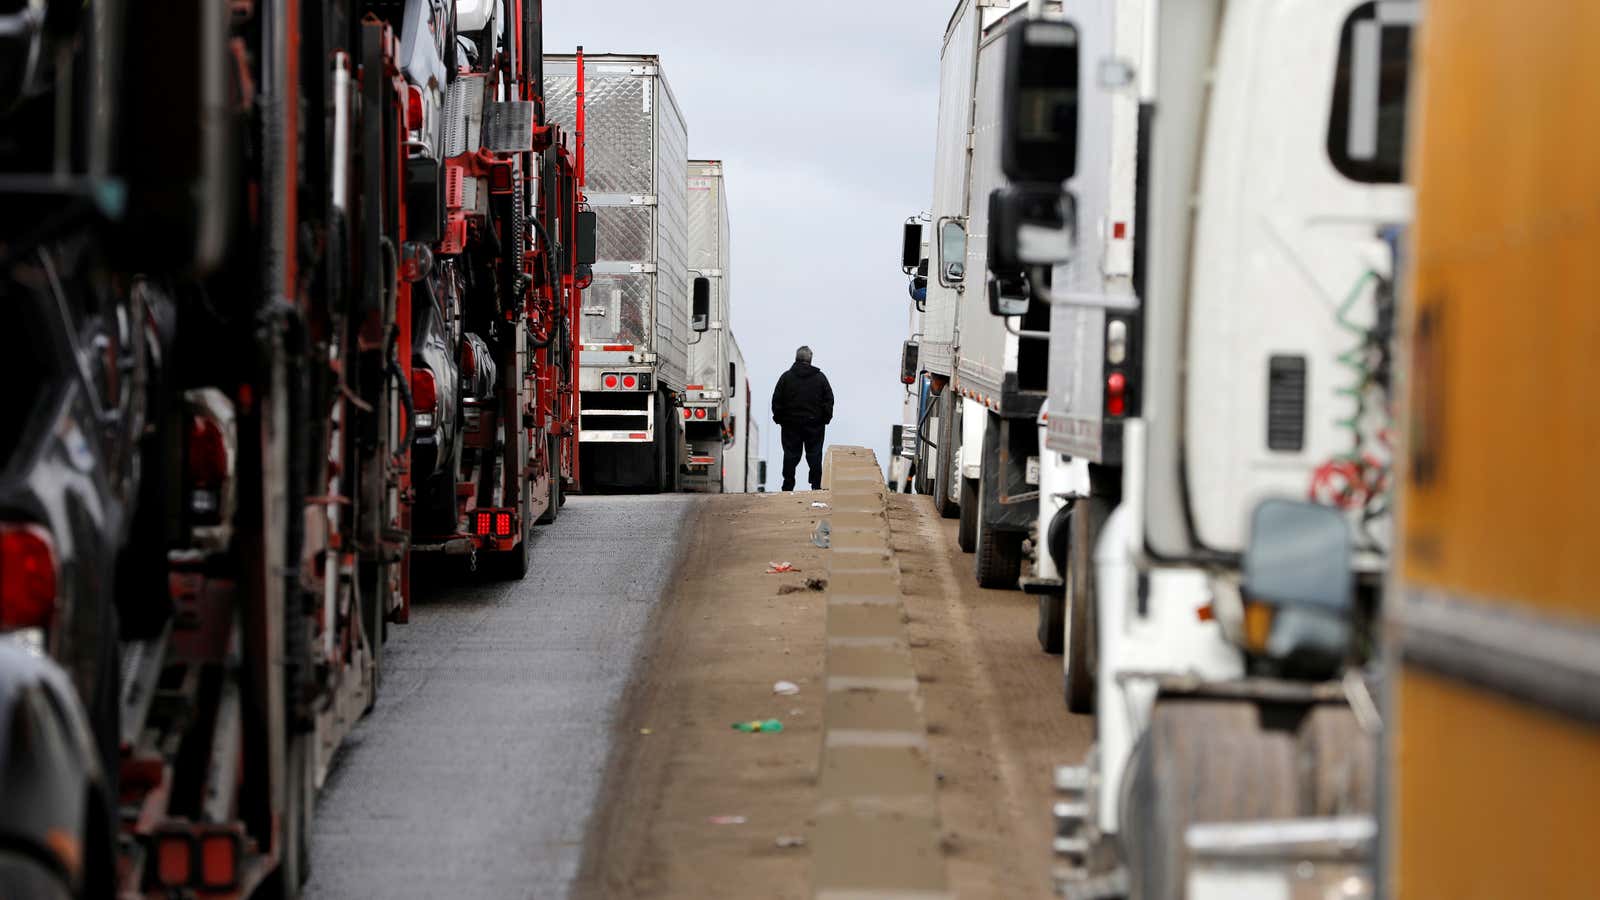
[1078, 681]
[999, 562]
[514, 562]
[967, 527]
[945, 470]
[1089, 516]
[1200, 761]
[554, 510]
[294, 862]
[1339, 762]
[1052, 611]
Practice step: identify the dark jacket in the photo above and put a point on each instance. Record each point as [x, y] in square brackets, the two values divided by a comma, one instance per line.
[802, 397]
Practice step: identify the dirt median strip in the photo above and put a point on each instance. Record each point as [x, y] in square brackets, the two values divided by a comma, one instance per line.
[691, 808]
[877, 822]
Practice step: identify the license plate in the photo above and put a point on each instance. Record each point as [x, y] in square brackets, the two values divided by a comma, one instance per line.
[1032, 476]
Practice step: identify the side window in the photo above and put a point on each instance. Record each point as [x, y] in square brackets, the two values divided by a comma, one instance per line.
[733, 381]
[1367, 126]
[952, 252]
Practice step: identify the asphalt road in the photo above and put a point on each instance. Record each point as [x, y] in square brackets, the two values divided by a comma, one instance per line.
[477, 771]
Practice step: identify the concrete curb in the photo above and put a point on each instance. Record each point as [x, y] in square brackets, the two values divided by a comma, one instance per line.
[877, 830]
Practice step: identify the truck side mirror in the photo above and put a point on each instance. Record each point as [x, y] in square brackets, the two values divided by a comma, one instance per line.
[910, 246]
[700, 317]
[1039, 113]
[1030, 225]
[585, 237]
[1008, 295]
[908, 362]
[1297, 573]
[952, 252]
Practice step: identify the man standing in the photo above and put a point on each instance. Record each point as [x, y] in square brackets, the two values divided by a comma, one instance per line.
[802, 405]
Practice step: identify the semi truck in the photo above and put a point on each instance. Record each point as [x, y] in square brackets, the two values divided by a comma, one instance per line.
[1236, 579]
[271, 280]
[1094, 345]
[1492, 625]
[708, 397]
[634, 332]
[989, 373]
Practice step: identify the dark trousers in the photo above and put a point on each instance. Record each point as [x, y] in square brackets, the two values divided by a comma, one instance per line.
[809, 438]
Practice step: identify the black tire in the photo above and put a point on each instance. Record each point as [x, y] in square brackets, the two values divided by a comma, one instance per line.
[1077, 671]
[1052, 611]
[1200, 761]
[512, 565]
[946, 470]
[967, 527]
[1338, 762]
[294, 863]
[1082, 640]
[999, 562]
[553, 511]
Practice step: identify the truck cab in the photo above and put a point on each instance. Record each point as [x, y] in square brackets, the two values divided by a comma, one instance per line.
[1264, 274]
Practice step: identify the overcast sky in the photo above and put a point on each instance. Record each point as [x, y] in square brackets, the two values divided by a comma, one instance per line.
[823, 113]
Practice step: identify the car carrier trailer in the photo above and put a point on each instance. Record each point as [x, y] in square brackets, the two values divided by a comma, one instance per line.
[286, 319]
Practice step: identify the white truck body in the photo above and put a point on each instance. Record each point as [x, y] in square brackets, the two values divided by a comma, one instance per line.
[636, 312]
[706, 396]
[1258, 246]
[741, 455]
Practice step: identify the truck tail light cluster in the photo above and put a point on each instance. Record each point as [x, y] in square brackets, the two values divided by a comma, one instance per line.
[1120, 369]
[208, 860]
[207, 467]
[27, 577]
[1116, 394]
[626, 381]
[494, 523]
[424, 399]
[694, 412]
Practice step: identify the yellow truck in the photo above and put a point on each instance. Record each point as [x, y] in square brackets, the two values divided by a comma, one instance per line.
[1494, 619]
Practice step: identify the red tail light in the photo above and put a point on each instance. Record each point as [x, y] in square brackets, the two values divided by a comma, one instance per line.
[219, 860]
[610, 381]
[630, 382]
[424, 393]
[174, 859]
[484, 521]
[1116, 394]
[687, 412]
[413, 108]
[27, 577]
[502, 524]
[700, 413]
[208, 453]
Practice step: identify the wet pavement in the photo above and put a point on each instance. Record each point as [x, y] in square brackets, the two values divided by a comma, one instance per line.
[476, 773]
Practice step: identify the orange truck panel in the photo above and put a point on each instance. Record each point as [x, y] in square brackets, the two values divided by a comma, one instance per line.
[1497, 792]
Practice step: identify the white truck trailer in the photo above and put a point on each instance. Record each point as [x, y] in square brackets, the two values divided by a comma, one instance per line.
[741, 452]
[706, 406]
[1237, 577]
[984, 460]
[635, 332]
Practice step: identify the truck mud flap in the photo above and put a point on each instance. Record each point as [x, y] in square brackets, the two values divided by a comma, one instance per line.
[1012, 503]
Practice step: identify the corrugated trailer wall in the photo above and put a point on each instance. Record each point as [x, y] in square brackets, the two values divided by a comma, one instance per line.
[709, 257]
[636, 147]
[1496, 711]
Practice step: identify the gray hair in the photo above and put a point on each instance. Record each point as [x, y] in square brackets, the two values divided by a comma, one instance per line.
[803, 355]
